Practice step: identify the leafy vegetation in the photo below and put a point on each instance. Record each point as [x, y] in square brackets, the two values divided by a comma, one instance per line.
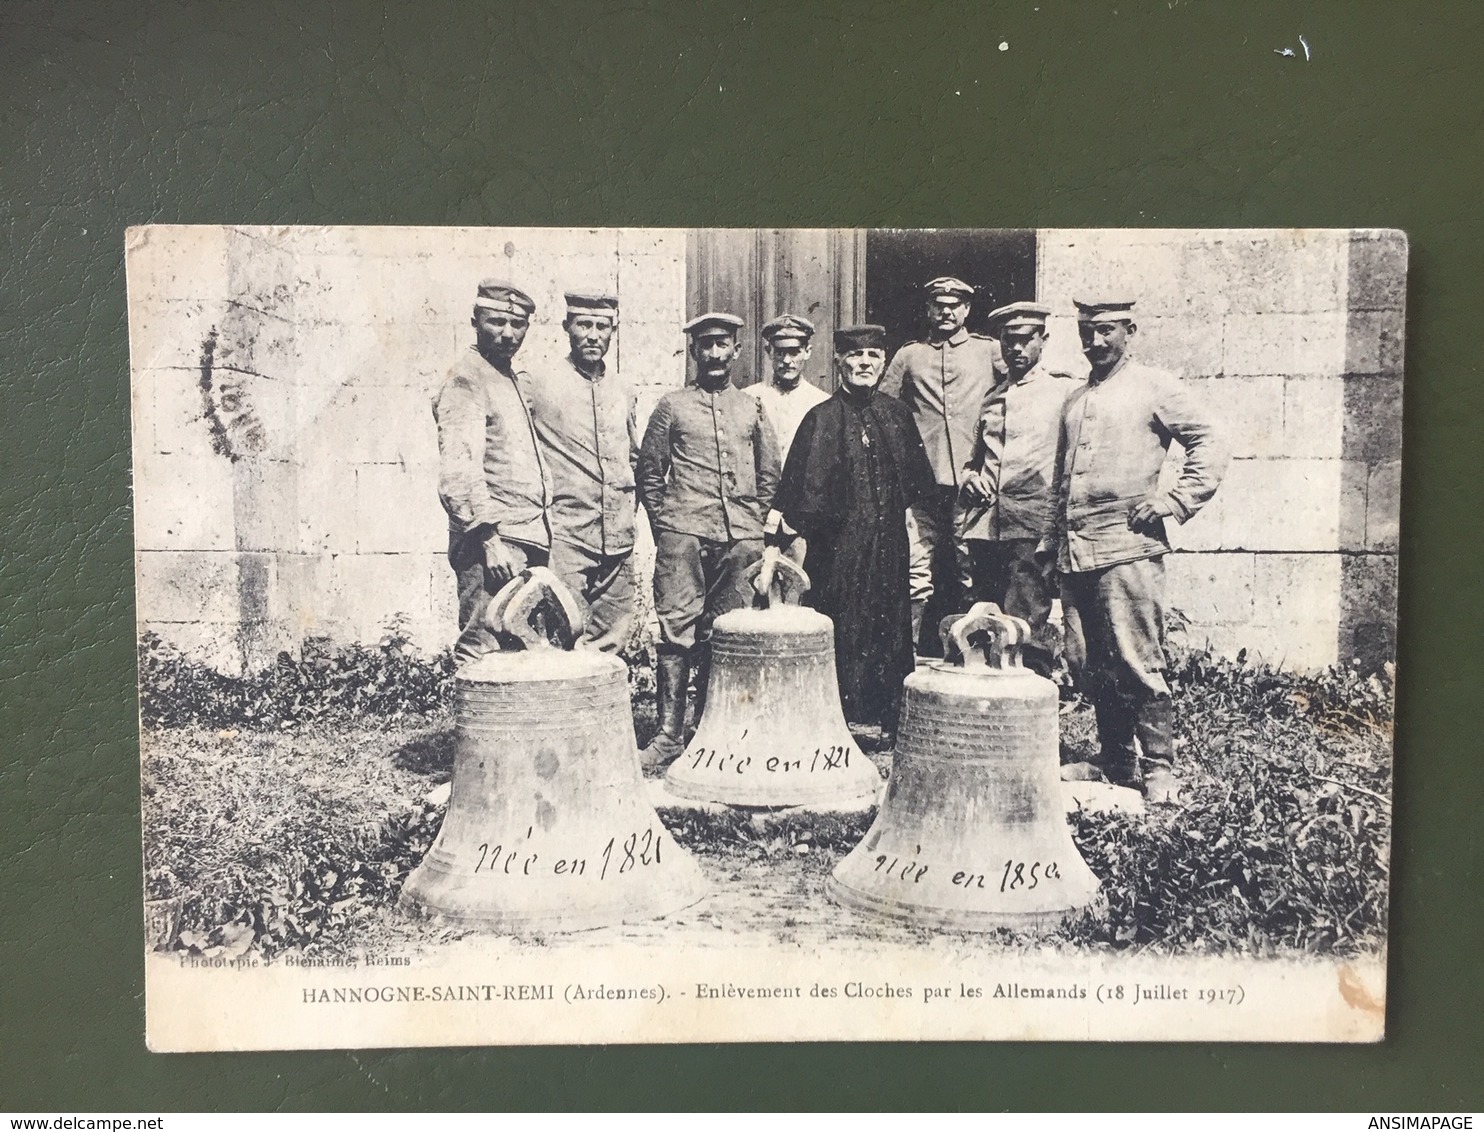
[389, 681]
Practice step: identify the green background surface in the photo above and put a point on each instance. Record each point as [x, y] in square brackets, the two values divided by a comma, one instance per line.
[1173, 113]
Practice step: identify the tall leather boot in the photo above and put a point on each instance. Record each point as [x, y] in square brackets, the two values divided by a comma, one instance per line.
[672, 677]
[701, 665]
[1118, 756]
[918, 609]
[1155, 726]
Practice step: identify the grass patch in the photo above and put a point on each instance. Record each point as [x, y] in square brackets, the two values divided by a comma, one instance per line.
[276, 840]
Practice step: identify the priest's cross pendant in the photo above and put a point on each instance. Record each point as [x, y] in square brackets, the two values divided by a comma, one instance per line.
[865, 439]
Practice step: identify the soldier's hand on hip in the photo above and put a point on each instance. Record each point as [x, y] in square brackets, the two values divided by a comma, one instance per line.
[499, 563]
[1146, 515]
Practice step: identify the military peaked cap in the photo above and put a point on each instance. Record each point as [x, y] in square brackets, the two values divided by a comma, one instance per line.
[948, 285]
[712, 321]
[496, 294]
[1105, 310]
[1018, 314]
[788, 326]
[592, 302]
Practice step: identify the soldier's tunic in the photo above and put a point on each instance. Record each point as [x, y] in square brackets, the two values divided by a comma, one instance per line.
[491, 480]
[1112, 441]
[856, 465]
[589, 440]
[1014, 457]
[786, 409]
[707, 471]
[944, 385]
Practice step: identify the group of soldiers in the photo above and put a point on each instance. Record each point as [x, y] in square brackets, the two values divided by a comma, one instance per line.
[966, 468]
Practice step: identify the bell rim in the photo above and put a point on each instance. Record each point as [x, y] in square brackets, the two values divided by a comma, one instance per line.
[678, 897]
[938, 666]
[936, 916]
[757, 800]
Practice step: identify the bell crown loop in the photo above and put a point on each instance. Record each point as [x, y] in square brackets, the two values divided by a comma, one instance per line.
[985, 639]
[789, 583]
[536, 611]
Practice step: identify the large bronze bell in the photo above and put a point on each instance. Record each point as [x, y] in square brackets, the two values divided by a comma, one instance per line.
[549, 827]
[772, 732]
[972, 833]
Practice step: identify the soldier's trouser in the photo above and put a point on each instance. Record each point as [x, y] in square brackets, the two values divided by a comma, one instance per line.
[604, 583]
[938, 560]
[1115, 642]
[1006, 573]
[477, 588]
[696, 580]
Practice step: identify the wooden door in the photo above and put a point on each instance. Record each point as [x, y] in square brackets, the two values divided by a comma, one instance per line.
[760, 273]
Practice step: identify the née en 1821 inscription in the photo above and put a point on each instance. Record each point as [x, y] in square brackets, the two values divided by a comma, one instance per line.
[618, 856]
[824, 759]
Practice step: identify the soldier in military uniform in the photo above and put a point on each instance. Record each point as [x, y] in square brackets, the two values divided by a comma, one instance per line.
[943, 381]
[1006, 497]
[707, 471]
[1107, 537]
[786, 397]
[491, 477]
[584, 414]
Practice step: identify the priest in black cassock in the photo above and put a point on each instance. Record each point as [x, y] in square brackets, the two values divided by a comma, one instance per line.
[855, 466]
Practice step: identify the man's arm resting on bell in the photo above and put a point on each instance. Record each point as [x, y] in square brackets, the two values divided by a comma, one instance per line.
[498, 560]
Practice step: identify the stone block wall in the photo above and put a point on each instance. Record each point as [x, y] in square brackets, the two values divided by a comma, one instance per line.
[1296, 340]
[285, 453]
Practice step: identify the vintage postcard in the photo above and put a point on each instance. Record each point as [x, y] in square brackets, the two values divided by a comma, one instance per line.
[662, 635]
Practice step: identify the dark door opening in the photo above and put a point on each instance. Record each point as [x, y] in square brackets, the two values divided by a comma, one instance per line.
[1000, 263]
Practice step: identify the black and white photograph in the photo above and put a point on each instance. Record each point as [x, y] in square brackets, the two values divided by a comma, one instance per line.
[589, 635]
